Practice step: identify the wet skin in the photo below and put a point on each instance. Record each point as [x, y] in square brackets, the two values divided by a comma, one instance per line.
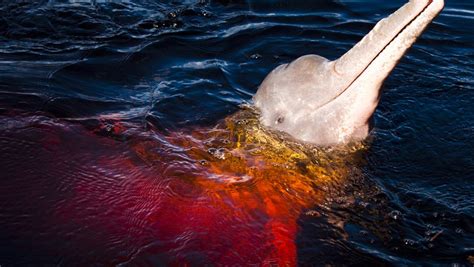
[325, 102]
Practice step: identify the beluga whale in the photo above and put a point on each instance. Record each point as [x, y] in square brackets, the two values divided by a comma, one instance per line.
[324, 102]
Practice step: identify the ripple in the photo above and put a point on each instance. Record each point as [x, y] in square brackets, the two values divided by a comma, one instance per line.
[110, 115]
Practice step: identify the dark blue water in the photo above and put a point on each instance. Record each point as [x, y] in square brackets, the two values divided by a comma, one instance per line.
[170, 66]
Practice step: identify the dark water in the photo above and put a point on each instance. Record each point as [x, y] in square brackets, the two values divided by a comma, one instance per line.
[107, 157]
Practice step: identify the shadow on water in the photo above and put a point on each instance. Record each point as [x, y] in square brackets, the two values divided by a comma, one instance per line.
[123, 140]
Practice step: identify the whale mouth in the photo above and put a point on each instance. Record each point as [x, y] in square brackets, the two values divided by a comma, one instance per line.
[386, 43]
[398, 36]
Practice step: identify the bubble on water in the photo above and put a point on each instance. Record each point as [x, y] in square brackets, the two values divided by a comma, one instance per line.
[218, 153]
[242, 122]
[108, 127]
[256, 56]
[312, 213]
[395, 214]
[226, 141]
[409, 242]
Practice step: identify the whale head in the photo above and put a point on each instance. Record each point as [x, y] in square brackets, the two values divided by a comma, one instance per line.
[326, 102]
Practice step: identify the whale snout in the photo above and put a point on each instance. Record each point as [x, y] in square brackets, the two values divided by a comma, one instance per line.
[327, 102]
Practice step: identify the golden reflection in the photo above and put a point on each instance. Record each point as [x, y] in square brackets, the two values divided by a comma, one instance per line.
[247, 169]
[240, 151]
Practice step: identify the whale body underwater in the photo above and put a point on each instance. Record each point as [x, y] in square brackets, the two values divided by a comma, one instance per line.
[230, 195]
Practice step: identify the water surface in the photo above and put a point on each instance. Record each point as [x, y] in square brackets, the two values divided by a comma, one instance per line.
[122, 139]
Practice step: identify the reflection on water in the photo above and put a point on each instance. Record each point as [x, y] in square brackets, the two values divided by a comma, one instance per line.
[123, 139]
[231, 194]
[262, 180]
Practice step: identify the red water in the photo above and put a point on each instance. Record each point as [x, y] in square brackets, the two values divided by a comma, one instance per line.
[72, 196]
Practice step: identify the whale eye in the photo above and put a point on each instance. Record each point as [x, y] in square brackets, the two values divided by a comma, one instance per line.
[280, 120]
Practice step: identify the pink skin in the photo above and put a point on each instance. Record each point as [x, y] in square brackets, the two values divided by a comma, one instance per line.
[331, 102]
